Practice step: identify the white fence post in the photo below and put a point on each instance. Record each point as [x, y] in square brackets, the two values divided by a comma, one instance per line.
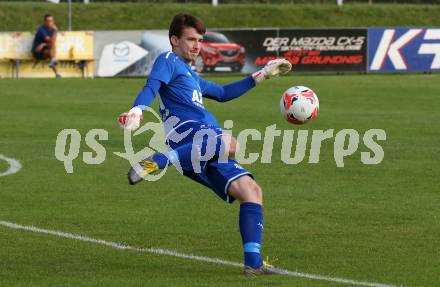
[69, 14]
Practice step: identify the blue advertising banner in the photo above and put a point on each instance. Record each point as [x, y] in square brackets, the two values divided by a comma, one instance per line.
[404, 49]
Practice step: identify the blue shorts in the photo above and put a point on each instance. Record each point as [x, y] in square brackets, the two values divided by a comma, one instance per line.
[219, 176]
[41, 55]
[214, 174]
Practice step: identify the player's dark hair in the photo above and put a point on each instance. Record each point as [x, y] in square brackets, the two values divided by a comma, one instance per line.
[184, 20]
[47, 16]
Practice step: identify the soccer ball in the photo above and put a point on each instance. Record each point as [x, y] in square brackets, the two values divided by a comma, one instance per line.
[299, 105]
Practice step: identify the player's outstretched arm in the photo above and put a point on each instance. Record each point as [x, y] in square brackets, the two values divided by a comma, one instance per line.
[236, 89]
[228, 92]
[132, 119]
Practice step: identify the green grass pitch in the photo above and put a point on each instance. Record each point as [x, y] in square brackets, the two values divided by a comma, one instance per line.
[375, 223]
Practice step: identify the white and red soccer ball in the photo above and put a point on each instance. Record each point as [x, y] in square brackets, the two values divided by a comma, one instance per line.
[299, 105]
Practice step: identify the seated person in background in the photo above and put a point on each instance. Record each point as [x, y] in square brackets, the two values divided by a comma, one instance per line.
[44, 43]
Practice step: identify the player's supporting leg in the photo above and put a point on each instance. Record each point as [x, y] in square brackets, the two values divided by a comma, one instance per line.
[250, 195]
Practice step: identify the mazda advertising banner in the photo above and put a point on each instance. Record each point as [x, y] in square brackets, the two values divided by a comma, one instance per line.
[237, 50]
[404, 49]
[309, 50]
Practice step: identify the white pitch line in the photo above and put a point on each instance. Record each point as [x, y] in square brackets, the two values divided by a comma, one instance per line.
[14, 165]
[121, 246]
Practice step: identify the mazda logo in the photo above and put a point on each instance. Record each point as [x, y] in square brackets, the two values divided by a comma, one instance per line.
[121, 50]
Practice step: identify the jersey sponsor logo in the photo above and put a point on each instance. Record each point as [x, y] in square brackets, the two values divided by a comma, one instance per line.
[404, 49]
[197, 99]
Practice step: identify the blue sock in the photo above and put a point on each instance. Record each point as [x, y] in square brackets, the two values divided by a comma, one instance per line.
[251, 229]
[161, 160]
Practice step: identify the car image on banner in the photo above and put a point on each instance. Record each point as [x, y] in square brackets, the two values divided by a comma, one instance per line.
[218, 51]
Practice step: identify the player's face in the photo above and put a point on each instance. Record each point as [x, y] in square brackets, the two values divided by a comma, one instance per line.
[49, 22]
[188, 45]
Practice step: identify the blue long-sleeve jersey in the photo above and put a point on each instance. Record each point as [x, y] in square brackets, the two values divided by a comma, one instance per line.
[181, 91]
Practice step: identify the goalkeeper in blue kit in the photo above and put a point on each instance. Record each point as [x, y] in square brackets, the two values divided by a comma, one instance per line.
[181, 94]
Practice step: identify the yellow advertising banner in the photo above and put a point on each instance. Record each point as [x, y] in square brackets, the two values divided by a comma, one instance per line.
[74, 53]
[6, 69]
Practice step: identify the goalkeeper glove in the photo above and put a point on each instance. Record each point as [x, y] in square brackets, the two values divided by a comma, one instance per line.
[132, 119]
[272, 69]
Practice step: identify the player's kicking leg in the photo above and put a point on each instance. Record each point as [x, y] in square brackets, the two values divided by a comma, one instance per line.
[140, 170]
[159, 160]
[250, 195]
